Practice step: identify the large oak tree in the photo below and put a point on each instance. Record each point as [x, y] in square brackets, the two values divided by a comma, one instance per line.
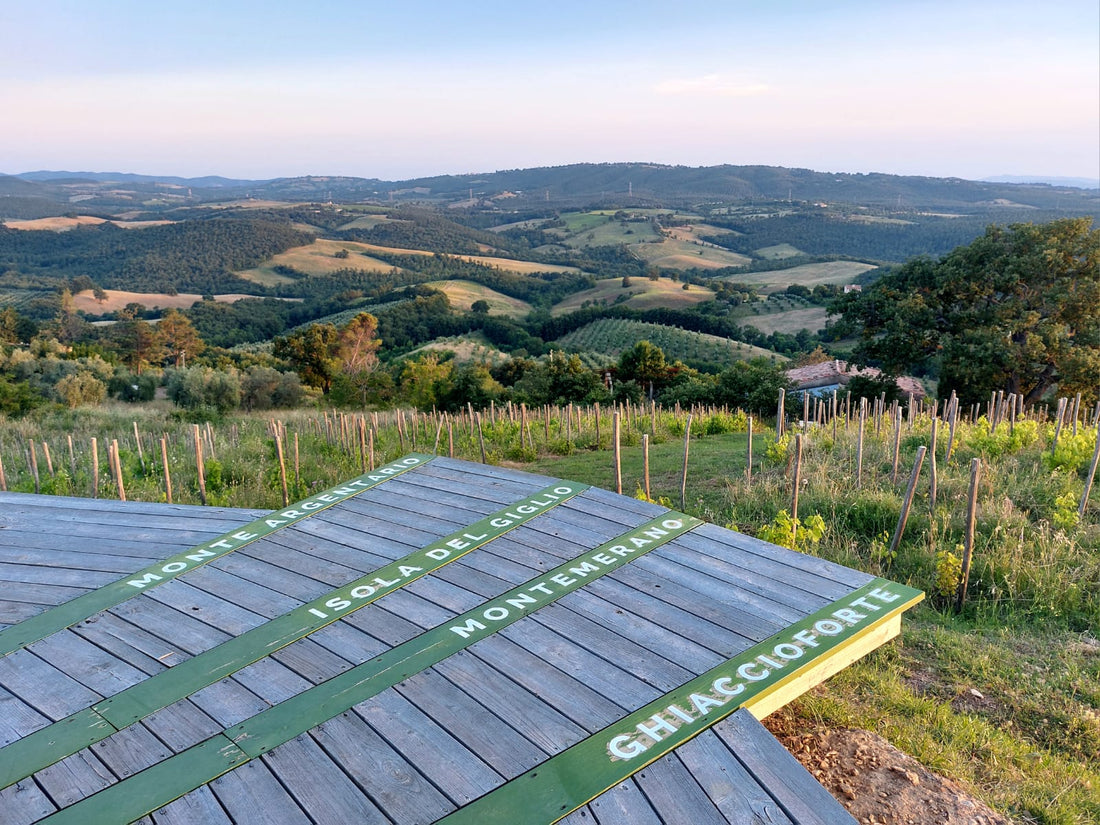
[1017, 310]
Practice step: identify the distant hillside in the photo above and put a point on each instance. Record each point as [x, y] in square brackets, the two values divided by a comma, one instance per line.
[630, 184]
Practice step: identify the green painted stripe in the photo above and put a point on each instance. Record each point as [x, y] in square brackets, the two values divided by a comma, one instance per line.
[48, 745]
[293, 717]
[212, 758]
[77, 610]
[574, 777]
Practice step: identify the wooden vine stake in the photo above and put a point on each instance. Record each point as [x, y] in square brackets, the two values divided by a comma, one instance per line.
[167, 475]
[141, 453]
[933, 489]
[34, 466]
[645, 465]
[282, 469]
[199, 464]
[907, 503]
[748, 458]
[971, 519]
[1084, 495]
[780, 415]
[684, 476]
[617, 451]
[49, 460]
[3, 478]
[116, 463]
[481, 440]
[859, 442]
[95, 467]
[796, 481]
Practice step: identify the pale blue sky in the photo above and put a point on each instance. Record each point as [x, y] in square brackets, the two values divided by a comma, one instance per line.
[400, 89]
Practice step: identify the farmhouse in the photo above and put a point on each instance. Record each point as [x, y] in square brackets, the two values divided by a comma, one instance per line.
[434, 641]
[833, 376]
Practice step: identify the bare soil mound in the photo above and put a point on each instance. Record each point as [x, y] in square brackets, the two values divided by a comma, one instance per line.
[876, 782]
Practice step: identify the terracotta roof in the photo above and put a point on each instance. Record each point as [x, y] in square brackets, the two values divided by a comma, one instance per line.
[841, 372]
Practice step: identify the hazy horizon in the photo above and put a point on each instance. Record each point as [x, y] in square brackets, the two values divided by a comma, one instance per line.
[263, 90]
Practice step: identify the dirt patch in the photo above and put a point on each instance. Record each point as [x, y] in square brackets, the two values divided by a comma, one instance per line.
[876, 782]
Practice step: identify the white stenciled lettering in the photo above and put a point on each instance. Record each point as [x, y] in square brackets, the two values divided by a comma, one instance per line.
[727, 687]
[145, 580]
[849, 617]
[468, 629]
[200, 555]
[495, 614]
[703, 703]
[660, 726]
[522, 600]
[624, 746]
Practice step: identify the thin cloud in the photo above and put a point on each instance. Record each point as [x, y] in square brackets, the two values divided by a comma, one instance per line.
[711, 85]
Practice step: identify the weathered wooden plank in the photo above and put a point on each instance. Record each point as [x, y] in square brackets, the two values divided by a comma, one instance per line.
[654, 666]
[454, 769]
[132, 750]
[250, 596]
[472, 723]
[624, 804]
[132, 644]
[318, 785]
[278, 577]
[748, 544]
[536, 720]
[731, 788]
[271, 681]
[198, 806]
[378, 767]
[92, 666]
[664, 632]
[228, 702]
[187, 632]
[11, 503]
[24, 674]
[718, 612]
[18, 574]
[291, 556]
[253, 796]
[311, 660]
[677, 797]
[779, 772]
[181, 725]
[24, 803]
[15, 612]
[39, 594]
[569, 692]
[600, 675]
[221, 613]
[74, 778]
[787, 580]
[17, 718]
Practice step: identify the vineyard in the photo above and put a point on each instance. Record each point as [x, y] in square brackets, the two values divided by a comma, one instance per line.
[610, 336]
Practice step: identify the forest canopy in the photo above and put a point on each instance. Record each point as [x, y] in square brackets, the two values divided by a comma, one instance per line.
[1017, 310]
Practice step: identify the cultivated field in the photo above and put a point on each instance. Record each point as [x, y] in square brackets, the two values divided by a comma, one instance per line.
[791, 321]
[692, 232]
[62, 224]
[644, 294]
[318, 258]
[610, 336]
[808, 275]
[681, 254]
[779, 251]
[465, 348]
[506, 264]
[118, 299]
[463, 294]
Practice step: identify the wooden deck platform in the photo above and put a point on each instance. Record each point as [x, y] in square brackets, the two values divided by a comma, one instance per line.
[438, 640]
